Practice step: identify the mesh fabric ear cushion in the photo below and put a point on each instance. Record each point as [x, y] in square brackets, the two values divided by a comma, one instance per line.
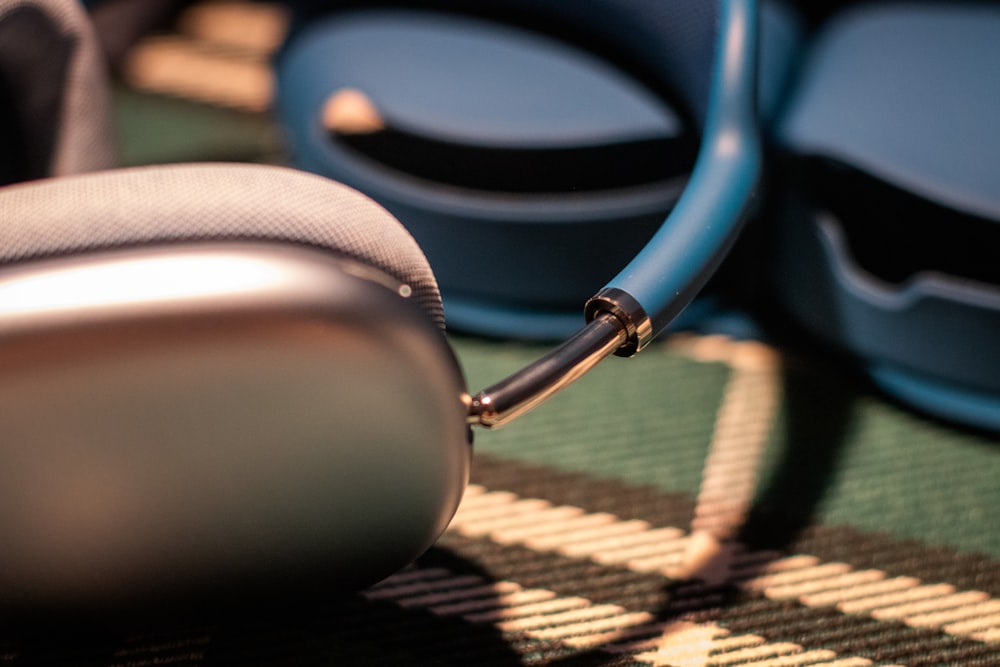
[209, 202]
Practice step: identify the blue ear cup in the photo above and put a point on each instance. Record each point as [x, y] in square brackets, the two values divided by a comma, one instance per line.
[531, 151]
[528, 169]
[889, 239]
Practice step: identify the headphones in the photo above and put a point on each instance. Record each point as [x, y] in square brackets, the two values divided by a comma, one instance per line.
[532, 154]
[213, 373]
[886, 228]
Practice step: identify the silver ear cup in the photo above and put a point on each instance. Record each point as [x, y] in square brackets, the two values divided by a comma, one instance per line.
[214, 375]
[237, 413]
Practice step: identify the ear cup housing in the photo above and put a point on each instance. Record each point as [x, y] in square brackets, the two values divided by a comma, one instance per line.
[528, 170]
[533, 148]
[216, 378]
[889, 235]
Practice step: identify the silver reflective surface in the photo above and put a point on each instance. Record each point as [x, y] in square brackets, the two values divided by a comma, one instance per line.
[192, 415]
[529, 387]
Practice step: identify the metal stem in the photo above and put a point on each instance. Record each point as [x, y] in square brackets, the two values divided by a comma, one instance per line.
[530, 386]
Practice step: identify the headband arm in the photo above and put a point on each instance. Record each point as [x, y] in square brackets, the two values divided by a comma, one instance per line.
[638, 303]
[687, 249]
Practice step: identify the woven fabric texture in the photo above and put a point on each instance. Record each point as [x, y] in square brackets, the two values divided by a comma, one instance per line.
[178, 203]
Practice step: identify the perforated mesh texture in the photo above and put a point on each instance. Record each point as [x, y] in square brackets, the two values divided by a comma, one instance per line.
[177, 203]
